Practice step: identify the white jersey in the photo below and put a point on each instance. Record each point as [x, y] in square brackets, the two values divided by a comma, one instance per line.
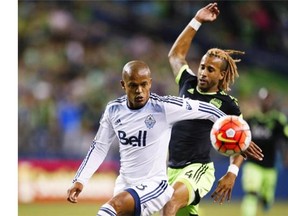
[143, 135]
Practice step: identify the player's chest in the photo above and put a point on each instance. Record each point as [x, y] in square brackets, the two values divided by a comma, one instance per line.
[137, 130]
[214, 99]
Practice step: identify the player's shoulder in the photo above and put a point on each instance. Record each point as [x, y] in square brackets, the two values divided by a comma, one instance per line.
[185, 74]
[228, 97]
[166, 99]
[117, 102]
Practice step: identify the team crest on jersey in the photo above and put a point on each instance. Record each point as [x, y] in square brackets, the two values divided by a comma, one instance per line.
[150, 121]
[216, 102]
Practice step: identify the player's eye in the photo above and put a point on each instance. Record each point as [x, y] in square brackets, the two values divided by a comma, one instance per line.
[210, 69]
[132, 85]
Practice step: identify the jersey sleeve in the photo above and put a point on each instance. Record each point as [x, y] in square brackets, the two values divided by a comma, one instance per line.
[179, 109]
[105, 136]
[184, 73]
[234, 108]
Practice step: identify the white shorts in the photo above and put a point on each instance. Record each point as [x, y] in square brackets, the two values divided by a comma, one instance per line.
[150, 196]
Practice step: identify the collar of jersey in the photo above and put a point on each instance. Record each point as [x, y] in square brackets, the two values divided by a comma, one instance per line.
[205, 93]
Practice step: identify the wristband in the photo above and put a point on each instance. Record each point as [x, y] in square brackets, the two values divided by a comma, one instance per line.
[233, 169]
[195, 24]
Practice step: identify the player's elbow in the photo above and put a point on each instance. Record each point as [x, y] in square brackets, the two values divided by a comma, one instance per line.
[172, 57]
[175, 60]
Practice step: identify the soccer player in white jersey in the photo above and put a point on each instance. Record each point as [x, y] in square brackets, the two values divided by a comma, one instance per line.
[141, 121]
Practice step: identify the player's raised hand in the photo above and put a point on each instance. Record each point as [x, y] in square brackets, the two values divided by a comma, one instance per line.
[253, 151]
[208, 13]
[74, 191]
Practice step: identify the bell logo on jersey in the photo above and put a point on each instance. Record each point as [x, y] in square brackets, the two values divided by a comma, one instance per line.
[139, 140]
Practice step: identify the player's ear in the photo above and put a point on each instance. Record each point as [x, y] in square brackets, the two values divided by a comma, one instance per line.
[122, 84]
[222, 74]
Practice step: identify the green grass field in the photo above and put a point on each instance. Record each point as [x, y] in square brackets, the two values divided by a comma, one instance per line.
[87, 209]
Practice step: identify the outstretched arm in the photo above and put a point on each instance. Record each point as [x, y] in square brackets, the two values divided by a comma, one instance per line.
[94, 158]
[178, 52]
[226, 183]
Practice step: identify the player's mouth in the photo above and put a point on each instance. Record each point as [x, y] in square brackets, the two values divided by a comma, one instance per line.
[202, 81]
[139, 99]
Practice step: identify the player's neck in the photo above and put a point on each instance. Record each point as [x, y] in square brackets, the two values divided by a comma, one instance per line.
[208, 91]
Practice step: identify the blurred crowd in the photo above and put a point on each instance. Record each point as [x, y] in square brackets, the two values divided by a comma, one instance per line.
[71, 54]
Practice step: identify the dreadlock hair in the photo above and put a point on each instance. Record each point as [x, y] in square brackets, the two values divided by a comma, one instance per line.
[228, 65]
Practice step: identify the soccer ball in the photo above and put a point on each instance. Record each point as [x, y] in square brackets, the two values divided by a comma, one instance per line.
[230, 135]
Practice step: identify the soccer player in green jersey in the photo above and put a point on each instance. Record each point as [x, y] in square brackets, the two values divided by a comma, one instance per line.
[190, 168]
[269, 129]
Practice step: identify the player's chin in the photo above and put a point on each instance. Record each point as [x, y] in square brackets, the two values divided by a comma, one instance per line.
[203, 87]
[138, 104]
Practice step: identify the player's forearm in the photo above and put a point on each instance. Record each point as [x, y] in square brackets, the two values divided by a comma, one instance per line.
[237, 160]
[91, 163]
[178, 53]
[235, 164]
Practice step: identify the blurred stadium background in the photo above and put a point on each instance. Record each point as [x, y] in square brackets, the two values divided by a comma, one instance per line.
[70, 57]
